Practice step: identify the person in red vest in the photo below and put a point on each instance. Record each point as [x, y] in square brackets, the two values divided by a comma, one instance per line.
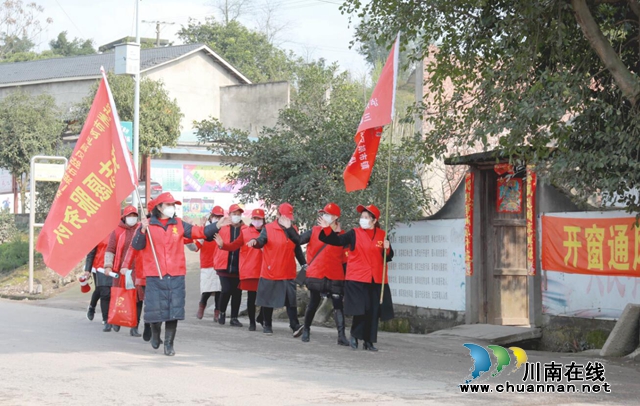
[227, 266]
[165, 292]
[103, 279]
[122, 235]
[278, 240]
[325, 273]
[250, 261]
[209, 279]
[363, 280]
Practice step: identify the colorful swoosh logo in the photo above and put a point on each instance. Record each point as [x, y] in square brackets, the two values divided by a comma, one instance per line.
[482, 361]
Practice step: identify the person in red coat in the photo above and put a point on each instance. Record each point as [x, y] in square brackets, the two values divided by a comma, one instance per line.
[119, 241]
[227, 266]
[278, 240]
[363, 280]
[209, 279]
[325, 273]
[250, 261]
[165, 271]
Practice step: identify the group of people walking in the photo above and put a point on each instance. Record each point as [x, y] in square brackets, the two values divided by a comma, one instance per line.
[260, 258]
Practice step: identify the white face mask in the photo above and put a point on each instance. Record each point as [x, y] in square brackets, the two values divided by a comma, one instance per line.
[236, 219]
[328, 218]
[257, 223]
[365, 223]
[169, 211]
[131, 221]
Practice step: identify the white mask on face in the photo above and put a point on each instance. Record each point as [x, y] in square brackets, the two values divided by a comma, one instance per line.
[169, 211]
[365, 223]
[328, 218]
[236, 219]
[257, 223]
[131, 221]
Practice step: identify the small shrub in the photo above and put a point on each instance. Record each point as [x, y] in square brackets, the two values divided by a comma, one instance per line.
[7, 226]
[13, 254]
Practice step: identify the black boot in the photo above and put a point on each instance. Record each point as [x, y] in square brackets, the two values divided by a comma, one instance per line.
[369, 346]
[260, 318]
[338, 317]
[106, 328]
[155, 335]
[134, 332]
[353, 343]
[146, 334]
[221, 318]
[170, 328]
[306, 335]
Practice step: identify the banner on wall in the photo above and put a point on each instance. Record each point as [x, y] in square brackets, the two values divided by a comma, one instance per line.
[531, 220]
[207, 179]
[468, 222]
[168, 174]
[591, 244]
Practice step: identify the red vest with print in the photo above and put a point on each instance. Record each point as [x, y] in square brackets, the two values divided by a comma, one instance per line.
[365, 261]
[278, 257]
[250, 258]
[98, 260]
[221, 259]
[208, 251]
[169, 245]
[134, 259]
[327, 264]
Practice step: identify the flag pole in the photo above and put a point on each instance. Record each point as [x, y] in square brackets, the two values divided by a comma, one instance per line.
[386, 214]
[153, 249]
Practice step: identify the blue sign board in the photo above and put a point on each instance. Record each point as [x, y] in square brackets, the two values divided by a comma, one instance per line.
[127, 131]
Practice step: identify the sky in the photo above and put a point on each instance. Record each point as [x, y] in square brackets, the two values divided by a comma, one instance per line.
[314, 28]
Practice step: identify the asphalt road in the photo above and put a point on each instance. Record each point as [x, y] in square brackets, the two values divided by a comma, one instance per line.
[51, 354]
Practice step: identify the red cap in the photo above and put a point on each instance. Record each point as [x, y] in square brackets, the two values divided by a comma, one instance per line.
[285, 209]
[165, 197]
[257, 213]
[150, 205]
[235, 207]
[129, 210]
[332, 209]
[371, 209]
[217, 211]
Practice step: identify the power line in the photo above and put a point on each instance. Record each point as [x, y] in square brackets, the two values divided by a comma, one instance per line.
[65, 13]
[159, 25]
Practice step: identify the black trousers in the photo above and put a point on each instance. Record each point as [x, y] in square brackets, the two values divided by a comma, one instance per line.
[292, 312]
[105, 300]
[205, 298]
[314, 303]
[251, 306]
[231, 291]
[365, 326]
[95, 296]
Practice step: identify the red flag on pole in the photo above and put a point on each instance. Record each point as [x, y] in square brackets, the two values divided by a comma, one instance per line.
[377, 114]
[99, 177]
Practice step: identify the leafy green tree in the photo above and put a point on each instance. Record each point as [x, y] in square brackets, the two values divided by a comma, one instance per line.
[159, 114]
[302, 158]
[559, 77]
[63, 47]
[29, 125]
[248, 51]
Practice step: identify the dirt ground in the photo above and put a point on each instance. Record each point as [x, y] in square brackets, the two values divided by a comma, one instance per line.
[46, 283]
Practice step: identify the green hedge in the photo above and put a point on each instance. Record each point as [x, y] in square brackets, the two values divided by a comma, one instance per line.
[13, 254]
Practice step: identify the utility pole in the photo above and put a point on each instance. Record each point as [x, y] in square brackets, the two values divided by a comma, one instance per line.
[158, 28]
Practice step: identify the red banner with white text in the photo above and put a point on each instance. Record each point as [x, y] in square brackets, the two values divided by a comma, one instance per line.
[100, 175]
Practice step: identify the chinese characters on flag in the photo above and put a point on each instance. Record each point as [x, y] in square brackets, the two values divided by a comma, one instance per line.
[594, 246]
[377, 114]
[99, 177]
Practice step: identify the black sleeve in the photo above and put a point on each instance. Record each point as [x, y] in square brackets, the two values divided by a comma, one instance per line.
[293, 235]
[340, 240]
[89, 262]
[300, 256]
[211, 230]
[139, 240]
[305, 237]
[261, 241]
[390, 254]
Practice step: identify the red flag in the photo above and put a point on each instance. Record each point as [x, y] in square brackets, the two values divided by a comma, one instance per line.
[377, 114]
[99, 177]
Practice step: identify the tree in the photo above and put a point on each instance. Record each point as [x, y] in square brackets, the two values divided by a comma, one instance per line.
[302, 158]
[536, 74]
[63, 47]
[159, 114]
[231, 10]
[248, 51]
[19, 26]
[29, 125]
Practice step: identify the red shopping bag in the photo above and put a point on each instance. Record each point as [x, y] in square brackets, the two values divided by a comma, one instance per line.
[122, 309]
